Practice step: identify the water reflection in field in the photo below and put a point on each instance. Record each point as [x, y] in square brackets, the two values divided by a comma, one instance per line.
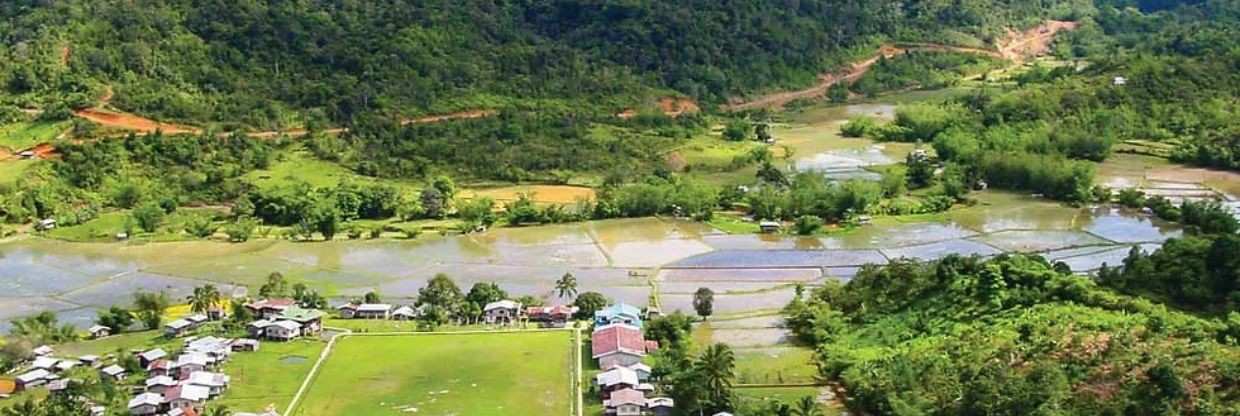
[618, 258]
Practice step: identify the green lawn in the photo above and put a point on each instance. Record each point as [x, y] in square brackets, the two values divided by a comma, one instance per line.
[270, 376]
[108, 224]
[301, 166]
[758, 397]
[143, 340]
[510, 374]
[10, 170]
[24, 135]
[784, 365]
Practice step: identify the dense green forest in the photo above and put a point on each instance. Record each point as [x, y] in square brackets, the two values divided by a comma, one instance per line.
[1016, 335]
[266, 63]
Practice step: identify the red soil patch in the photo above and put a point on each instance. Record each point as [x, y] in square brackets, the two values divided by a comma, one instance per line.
[670, 106]
[462, 115]
[44, 151]
[131, 122]
[1016, 47]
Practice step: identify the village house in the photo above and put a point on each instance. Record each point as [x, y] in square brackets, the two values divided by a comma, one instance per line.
[618, 314]
[660, 406]
[44, 363]
[245, 344]
[642, 370]
[551, 316]
[625, 402]
[160, 384]
[89, 360]
[33, 378]
[365, 311]
[148, 357]
[618, 378]
[189, 363]
[405, 313]
[504, 312]
[618, 345]
[99, 331]
[216, 383]
[187, 396]
[769, 227]
[65, 365]
[178, 328]
[283, 330]
[269, 308]
[43, 350]
[115, 371]
[216, 349]
[145, 404]
[258, 329]
[309, 321]
[160, 367]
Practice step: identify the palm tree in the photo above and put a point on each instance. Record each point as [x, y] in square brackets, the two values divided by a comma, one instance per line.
[807, 406]
[220, 411]
[204, 298]
[717, 369]
[566, 287]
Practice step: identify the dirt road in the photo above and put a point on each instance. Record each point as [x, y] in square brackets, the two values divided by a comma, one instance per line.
[1015, 47]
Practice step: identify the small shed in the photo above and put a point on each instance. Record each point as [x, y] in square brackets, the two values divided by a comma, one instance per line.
[770, 227]
[99, 331]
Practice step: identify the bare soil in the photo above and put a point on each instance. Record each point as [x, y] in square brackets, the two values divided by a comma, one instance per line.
[1015, 47]
[670, 106]
[128, 121]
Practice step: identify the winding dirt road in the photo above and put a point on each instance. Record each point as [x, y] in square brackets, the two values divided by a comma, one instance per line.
[1015, 47]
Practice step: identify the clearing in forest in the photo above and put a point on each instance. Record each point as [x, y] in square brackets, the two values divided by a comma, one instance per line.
[509, 374]
[542, 194]
[1016, 47]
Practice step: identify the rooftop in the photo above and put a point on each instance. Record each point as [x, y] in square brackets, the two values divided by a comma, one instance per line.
[503, 304]
[145, 399]
[615, 338]
[299, 314]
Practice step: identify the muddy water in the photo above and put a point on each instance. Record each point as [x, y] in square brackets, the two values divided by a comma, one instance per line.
[623, 259]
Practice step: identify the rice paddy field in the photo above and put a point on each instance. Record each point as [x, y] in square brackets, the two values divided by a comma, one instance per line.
[517, 374]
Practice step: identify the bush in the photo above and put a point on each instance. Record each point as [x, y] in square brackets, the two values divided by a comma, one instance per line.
[859, 126]
[808, 224]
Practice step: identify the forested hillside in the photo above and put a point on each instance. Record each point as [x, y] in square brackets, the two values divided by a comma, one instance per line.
[269, 63]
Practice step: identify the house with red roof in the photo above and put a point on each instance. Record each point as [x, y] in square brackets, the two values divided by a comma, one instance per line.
[269, 308]
[551, 316]
[617, 345]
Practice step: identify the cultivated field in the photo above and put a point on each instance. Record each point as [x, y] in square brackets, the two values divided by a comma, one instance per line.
[510, 374]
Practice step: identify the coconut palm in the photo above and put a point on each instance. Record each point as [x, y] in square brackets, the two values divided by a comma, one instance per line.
[807, 406]
[717, 369]
[566, 287]
[204, 298]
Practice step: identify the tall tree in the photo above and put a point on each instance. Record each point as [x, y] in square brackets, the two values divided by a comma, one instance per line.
[150, 306]
[717, 369]
[204, 299]
[704, 302]
[566, 287]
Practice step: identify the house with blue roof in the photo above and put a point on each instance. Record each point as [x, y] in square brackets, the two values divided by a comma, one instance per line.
[619, 313]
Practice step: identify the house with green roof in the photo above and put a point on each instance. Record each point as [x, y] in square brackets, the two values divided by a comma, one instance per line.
[311, 320]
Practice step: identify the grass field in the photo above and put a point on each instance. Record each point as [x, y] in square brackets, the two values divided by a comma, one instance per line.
[510, 374]
[10, 170]
[24, 135]
[300, 166]
[270, 376]
[785, 395]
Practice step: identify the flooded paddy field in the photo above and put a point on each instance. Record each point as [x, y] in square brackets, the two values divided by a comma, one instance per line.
[625, 260]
